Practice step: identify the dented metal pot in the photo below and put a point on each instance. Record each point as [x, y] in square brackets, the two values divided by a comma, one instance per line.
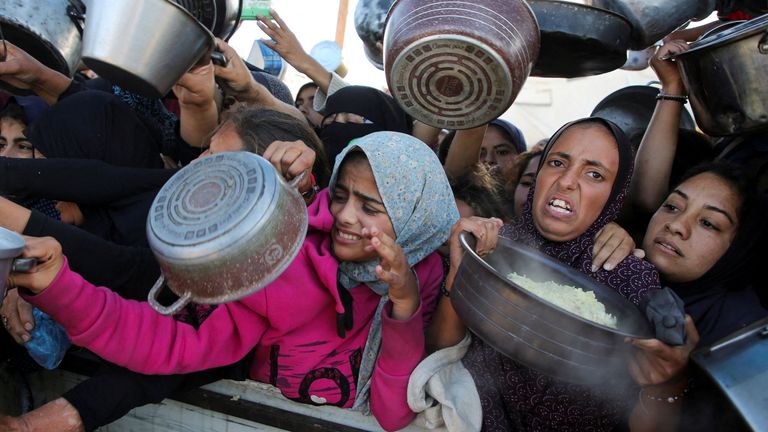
[222, 228]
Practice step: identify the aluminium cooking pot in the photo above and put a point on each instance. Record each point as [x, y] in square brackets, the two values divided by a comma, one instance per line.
[221, 17]
[370, 16]
[222, 228]
[535, 332]
[724, 73]
[44, 30]
[579, 40]
[144, 46]
[458, 64]
[738, 364]
[653, 19]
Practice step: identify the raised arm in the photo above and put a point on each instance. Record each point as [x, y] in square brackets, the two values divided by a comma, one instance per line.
[23, 71]
[199, 113]
[464, 152]
[654, 159]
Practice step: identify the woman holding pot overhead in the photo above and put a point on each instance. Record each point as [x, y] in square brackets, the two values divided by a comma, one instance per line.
[365, 281]
[580, 187]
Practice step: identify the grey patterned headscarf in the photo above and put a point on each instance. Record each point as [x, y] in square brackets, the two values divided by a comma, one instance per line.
[415, 192]
[420, 204]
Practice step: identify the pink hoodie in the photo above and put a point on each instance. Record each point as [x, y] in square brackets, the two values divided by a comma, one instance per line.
[291, 323]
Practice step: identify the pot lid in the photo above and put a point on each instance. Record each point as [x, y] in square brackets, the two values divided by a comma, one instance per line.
[731, 34]
[228, 194]
[11, 244]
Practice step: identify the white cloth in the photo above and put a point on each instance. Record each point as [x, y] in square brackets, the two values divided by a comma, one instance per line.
[336, 84]
[441, 391]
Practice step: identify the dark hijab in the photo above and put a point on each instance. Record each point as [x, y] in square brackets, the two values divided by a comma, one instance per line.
[633, 277]
[376, 106]
[95, 125]
[516, 397]
[513, 132]
[724, 300]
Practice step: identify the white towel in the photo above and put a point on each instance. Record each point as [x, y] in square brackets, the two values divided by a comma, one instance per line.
[442, 391]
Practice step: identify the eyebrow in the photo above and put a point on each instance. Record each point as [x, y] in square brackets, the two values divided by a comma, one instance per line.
[362, 196]
[589, 162]
[708, 206]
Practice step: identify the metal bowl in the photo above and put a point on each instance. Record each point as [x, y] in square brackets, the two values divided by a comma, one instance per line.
[535, 332]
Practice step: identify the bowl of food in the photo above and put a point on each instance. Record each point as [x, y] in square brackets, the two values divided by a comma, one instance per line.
[546, 315]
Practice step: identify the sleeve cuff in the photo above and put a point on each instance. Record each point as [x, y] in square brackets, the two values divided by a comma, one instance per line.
[402, 342]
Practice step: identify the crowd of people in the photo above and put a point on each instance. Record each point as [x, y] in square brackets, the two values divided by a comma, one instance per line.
[367, 300]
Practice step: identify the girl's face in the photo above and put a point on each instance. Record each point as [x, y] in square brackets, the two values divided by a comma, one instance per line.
[356, 204]
[693, 228]
[225, 139]
[305, 103]
[575, 182]
[13, 143]
[524, 185]
[497, 150]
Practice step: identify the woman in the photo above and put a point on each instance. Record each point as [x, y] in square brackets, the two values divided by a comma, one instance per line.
[501, 143]
[305, 100]
[581, 184]
[355, 111]
[365, 277]
[704, 241]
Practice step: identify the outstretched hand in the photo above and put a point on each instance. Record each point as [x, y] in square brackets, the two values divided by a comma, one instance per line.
[284, 42]
[197, 86]
[50, 259]
[292, 158]
[23, 71]
[395, 271]
[655, 362]
[666, 69]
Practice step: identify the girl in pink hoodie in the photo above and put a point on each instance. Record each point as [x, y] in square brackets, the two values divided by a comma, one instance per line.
[343, 325]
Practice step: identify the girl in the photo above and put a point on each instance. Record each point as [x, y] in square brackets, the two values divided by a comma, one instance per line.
[364, 282]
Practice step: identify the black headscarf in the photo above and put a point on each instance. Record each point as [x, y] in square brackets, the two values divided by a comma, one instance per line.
[632, 277]
[375, 105]
[724, 300]
[95, 125]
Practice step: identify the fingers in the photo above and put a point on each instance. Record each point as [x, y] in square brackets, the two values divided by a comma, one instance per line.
[49, 257]
[612, 245]
[291, 159]
[486, 231]
[639, 253]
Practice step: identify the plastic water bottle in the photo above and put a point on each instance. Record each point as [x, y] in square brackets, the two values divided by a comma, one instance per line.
[49, 341]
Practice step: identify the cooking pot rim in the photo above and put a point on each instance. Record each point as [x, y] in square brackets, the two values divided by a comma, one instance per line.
[733, 34]
[572, 273]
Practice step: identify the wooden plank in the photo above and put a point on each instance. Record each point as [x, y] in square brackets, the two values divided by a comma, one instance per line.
[341, 22]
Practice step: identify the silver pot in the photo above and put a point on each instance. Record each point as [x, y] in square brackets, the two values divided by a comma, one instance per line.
[143, 45]
[11, 245]
[653, 19]
[534, 332]
[221, 17]
[725, 77]
[222, 228]
[44, 29]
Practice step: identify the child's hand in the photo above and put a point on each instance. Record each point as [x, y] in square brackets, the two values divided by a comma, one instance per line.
[395, 271]
[50, 259]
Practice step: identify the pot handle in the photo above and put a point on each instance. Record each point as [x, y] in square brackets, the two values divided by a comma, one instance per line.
[166, 310]
[294, 183]
[23, 265]
[762, 46]
[76, 13]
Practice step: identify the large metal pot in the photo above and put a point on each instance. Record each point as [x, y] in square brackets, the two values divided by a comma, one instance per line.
[534, 332]
[221, 17]
[370, 16]
[595, 43]
[44, 29]
[222, 228]
[653, 19]
[738, 364]
[458, 64]
[143, 45]
[725, 77]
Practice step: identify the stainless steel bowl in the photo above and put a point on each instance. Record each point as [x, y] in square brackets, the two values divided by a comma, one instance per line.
[535, 332]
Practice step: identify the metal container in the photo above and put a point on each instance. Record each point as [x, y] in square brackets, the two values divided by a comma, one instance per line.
[653, 19]
[221, 17]
[458, 64]
[739, 365]
[43, 29]
[534, 332]
[144, 46]
[725, 77]
[595, 43]
[222, 228]
[370, 16]
[11, 245]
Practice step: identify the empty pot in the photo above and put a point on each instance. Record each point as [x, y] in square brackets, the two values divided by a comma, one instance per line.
[222, 228]
[144, 46]
[458, 64]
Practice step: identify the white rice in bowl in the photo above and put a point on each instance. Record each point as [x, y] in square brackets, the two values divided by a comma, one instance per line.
[573, 299]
